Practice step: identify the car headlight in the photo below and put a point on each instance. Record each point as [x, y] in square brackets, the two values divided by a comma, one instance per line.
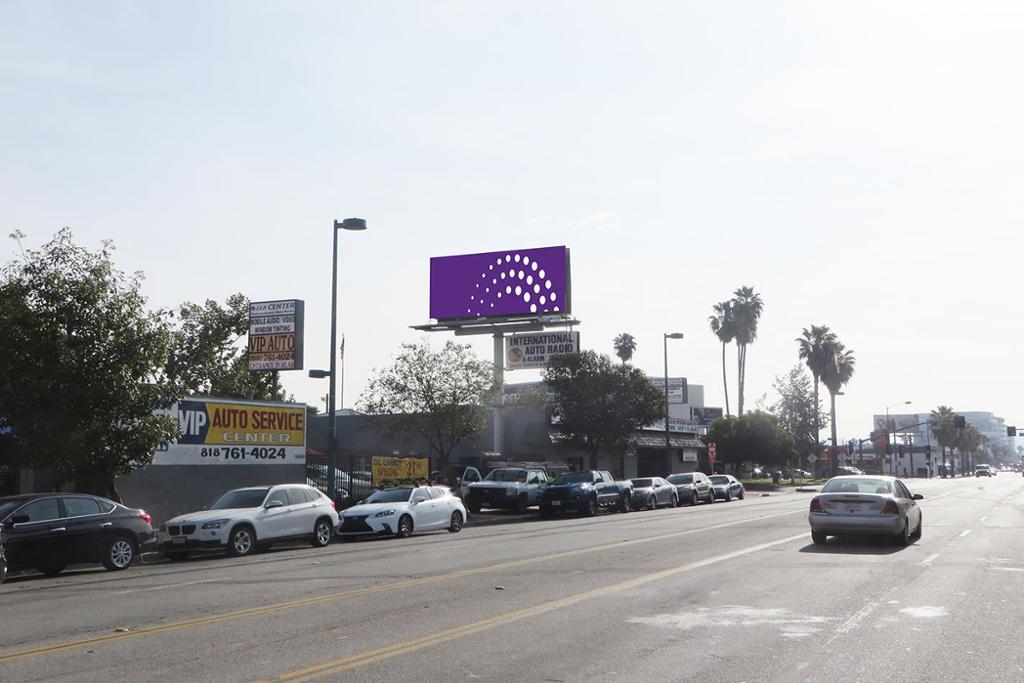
[385, 513]
[215, 524]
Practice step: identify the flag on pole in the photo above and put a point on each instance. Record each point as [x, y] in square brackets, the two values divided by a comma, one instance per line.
[343, 347]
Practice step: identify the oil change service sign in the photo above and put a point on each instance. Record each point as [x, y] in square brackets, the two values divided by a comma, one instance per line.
[236, 433]
[532, 350]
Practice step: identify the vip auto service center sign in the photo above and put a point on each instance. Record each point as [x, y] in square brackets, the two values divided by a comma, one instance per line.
[223, 432]
[524, 351]
[275, 334]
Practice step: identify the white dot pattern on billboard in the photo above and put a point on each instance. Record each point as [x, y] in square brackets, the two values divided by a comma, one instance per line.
[535, 281]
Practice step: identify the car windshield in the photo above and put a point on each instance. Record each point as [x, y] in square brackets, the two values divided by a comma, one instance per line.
[506, 475]
[858, 485]
[643, 483]
[389, 496]
[574, 478]
[681, 479]
[719, 479]
[240, 498]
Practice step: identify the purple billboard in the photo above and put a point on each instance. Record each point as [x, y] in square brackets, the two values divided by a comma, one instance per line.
[500, 284]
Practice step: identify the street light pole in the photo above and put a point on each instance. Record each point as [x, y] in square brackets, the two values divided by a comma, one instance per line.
[668, 444]
[332, 439]
[891, 446]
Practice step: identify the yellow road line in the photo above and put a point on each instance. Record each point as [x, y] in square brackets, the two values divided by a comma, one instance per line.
[359, 592]
[390, 651]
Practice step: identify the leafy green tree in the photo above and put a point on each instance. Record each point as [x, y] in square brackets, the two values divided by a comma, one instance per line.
[838, 372]
[600, 405]
[814, 351]
[209, 354]
[625, 346]
[723, 324]
[756, 437]
[439, 396]
[81, 359]
[799, 410]
[747, 307]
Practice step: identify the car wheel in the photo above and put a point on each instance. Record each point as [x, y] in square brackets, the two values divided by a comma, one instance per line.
[626, 503]
[3, 565]
[52, 569]
[920, 528]
[404, 527]
[241, 541]
[120, 553]
[474, 508]
[176, 556]
[323, 532]
[675, 501]
[652, 503]
[819, 537]
[711, 496]
[728, 496]
[456, 524]
[522, 503]
[741, 494]
[903, 538]
[694, 500]
[590, 509]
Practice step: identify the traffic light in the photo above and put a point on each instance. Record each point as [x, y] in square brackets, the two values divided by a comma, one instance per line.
[959, 421]
[1011, 431]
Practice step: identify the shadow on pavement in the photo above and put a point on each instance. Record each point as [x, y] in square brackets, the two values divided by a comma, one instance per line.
[853, 545]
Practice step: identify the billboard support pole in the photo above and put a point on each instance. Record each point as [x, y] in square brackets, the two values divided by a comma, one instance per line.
[499, 400]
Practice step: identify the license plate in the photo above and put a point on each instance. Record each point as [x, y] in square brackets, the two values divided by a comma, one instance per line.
[853, 508]
[555, 503]
[178, 540]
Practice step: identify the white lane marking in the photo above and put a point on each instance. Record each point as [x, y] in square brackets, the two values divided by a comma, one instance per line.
[983, 518]
[172, 585]
[854, 621]
[1009, 569]
[964, 532]
[928, 560]
[736, 615]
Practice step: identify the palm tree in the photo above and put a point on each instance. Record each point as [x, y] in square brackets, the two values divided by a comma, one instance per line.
[746, 308]
[838, 371]
[724, 327]
[625, 345]
[814, 351]
[942, 425]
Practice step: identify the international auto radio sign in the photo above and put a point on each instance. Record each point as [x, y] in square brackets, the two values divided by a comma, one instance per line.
[523, 351]
[231, 432]
[275, 335]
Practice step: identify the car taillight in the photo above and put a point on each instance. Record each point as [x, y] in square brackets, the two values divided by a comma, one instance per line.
[890, 508]
[334, 505]
[816, 505]
[143, 515]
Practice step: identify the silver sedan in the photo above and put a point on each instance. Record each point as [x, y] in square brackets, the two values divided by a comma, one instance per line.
[869, 505]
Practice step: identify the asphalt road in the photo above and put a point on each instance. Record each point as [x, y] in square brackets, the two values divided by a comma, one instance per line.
[726, 592]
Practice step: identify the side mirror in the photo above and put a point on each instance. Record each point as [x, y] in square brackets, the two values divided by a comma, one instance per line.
[19, 519]
[918, 496]
[274, 504]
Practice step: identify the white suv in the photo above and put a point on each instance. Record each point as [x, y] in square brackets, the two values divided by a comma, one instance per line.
[242, 519]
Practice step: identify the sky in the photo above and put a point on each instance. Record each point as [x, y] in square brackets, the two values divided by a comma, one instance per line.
[858, 164]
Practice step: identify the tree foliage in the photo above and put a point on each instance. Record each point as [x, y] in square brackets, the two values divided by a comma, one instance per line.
[814, 349]
[599, 404]
[81, 359]
[799, 410]
[625, 346]
[723, 325]
[209, 354]
[437, 395]
[755, 437]
[747, 307]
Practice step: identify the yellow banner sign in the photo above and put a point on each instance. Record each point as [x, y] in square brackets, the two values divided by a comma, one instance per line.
[399, 469]
[241, 424]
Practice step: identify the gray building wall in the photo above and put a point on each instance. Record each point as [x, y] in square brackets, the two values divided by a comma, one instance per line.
[166, 491]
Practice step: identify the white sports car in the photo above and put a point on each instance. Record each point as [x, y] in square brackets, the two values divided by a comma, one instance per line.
[400, 511]
[243, 519]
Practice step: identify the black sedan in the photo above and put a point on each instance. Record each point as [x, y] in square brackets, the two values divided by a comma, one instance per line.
[727, 487]
[653, 493]
[49, 531]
